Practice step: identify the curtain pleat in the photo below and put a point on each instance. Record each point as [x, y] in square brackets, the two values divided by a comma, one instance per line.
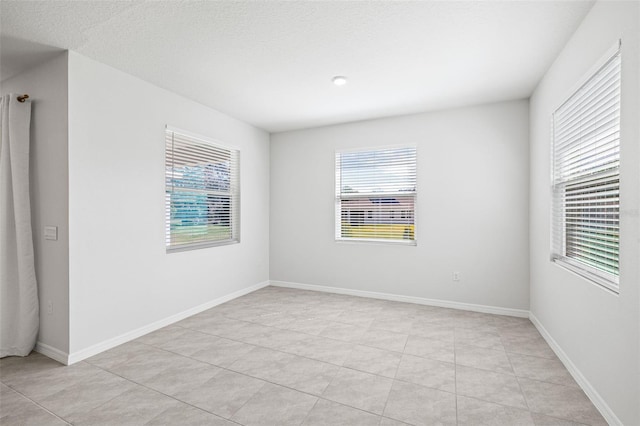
[19, 308]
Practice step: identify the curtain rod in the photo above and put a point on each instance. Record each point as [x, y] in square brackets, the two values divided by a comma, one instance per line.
[23, 98]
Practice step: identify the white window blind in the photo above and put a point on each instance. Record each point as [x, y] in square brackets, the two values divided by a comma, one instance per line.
[586, 179]
[202, 204]
[376, 195]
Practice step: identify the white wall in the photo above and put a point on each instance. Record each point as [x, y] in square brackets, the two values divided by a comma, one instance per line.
[472, 208]
[121, 278]
[47, 86]
[597, 330]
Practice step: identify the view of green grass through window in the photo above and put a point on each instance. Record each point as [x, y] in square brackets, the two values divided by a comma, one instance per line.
[376, 194]
[201, 192]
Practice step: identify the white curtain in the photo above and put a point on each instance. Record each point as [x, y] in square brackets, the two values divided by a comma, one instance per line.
[18, 290]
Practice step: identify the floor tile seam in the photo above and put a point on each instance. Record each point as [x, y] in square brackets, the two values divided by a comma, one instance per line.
[239, 341]
[36, 403]
[266, 380]
[499, 403]
[578, 388]
[310, 334]
[313, 359]
[319, 396]
[247, 401]
[480, 347]
[554, 358]
[512, 374]
[309, 412]
[395, 420]
[284, 351]
[159, 392]
[455, 378]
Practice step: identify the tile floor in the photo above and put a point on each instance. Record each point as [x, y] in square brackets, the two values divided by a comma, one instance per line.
[290, 357]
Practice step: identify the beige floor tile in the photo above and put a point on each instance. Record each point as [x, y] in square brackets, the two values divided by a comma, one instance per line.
[440, 350]
[427, 372]
[418, 405]
[186, 415]
[306, 375]
[489, 386]
[560, 401]
[397, 325]
[307, 325]
[374, 360]
[359, 390]
[391, 422]
[542, 420]
[541, 369]
[275, 405]
[181, 377]
[430, 330]
[224, 394]
[528, 344]
[321, 349]
[83, 397]
[383, 339]
[262, 363]
[18, 410]
[473, 412]
[328, 413]
[222, 352]
[134, 407]
[485, 359]
[341, 331]
[482, 339]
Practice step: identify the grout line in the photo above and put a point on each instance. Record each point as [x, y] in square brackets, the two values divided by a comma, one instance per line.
[34, 402]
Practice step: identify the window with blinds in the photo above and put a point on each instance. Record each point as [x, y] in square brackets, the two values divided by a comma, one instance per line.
[376, 195]
[586, 178]
[202, 199]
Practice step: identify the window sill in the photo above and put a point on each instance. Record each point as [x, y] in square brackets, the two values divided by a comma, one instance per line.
[411, 243]
[198, 246]
[602, 282]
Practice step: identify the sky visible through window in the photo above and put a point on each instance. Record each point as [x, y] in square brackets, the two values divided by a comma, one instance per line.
[388, 170]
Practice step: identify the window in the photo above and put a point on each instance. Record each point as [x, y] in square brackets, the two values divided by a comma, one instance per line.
[202, 204]
[379, 182]
[586, 178]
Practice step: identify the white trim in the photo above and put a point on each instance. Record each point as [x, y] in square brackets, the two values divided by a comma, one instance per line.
[212, 141]
[582, 381]
[522, 313]
[134, 334]
[53, 353]
[601, 62]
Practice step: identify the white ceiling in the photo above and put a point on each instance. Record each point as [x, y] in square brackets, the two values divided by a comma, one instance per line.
[270, 63]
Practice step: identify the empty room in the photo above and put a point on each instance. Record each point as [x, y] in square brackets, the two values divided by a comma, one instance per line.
[330, 213]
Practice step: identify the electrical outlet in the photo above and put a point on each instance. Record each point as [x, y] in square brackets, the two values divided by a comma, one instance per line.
[456, 276]
[49, 307]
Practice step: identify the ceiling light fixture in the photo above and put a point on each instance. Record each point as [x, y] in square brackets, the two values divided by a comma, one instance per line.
[339, 80]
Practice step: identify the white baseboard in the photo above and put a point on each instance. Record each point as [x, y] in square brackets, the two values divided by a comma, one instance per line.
[53, 353]
[586, 386]
[409, 299]
[134, 334]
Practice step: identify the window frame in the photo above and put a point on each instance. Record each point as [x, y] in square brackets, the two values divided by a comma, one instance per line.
[606, 280]
[338, 198]
[234, 193]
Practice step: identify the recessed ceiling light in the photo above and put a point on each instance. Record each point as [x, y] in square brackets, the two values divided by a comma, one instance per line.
[339, 80]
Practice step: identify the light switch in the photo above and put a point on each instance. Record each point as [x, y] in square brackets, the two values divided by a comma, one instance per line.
[51, 233]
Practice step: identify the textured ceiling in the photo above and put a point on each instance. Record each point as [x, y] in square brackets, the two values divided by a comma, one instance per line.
[270, 63]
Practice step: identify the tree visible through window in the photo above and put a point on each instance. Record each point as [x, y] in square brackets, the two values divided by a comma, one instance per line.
[202, 197]
[372, 188]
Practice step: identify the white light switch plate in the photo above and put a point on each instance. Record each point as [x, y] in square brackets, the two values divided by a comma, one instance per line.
[51, 233]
